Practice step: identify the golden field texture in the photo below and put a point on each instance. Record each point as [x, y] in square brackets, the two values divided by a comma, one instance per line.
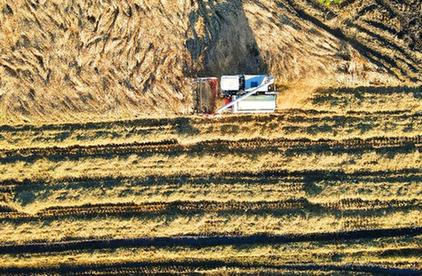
[83, 60]
[105, 171]
[300, 191]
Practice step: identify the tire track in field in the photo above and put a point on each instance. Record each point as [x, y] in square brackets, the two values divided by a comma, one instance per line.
[270, 176]
[376, 57]
[308, 115]
[205, 241]
[221, 146]
[389, 42]
[293, 182]
[311, 126]
[196, 266]
[264, 177]
[197, 207]
[372, 97]
[161, 123]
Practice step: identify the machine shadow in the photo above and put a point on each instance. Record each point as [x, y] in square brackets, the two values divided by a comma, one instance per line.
[221, 40]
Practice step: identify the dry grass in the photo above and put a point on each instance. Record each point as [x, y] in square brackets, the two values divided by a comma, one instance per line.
[206, 163]
[305, 252]
[202, 223]
[343, 73]
[32, 199]
[291, 124]
[74, 61]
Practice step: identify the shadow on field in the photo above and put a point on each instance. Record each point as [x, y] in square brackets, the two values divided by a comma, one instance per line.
[192, 266]
[202, 241]
[222, 40]
[183, 126]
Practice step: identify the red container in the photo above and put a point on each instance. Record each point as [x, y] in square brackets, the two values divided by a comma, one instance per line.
[227, 100]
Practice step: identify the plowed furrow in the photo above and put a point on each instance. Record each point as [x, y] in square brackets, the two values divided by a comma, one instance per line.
[6, 209]
[300, 123]
[157, 123]
[202, 266]
[382, 91]
[252, 145]
[358, 98]
[196, 241]
[149, 124]
[186, 207]
[352, 117]
[246, 177]
[178, 123]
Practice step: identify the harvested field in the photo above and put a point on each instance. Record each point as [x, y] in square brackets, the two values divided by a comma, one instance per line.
[297, 191]
[105, 171]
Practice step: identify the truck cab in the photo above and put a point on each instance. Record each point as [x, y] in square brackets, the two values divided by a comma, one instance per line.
[240, 84]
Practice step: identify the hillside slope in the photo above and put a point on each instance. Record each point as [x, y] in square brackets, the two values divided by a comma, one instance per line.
[96, 60]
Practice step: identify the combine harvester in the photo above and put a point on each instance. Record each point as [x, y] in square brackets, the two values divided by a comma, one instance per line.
[240, 93]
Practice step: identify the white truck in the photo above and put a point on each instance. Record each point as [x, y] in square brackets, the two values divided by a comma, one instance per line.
[248, 93]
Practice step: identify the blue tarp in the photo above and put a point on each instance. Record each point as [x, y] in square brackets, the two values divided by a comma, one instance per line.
[253, 81]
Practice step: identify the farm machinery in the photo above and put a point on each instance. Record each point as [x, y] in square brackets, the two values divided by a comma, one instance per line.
[236, 93]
